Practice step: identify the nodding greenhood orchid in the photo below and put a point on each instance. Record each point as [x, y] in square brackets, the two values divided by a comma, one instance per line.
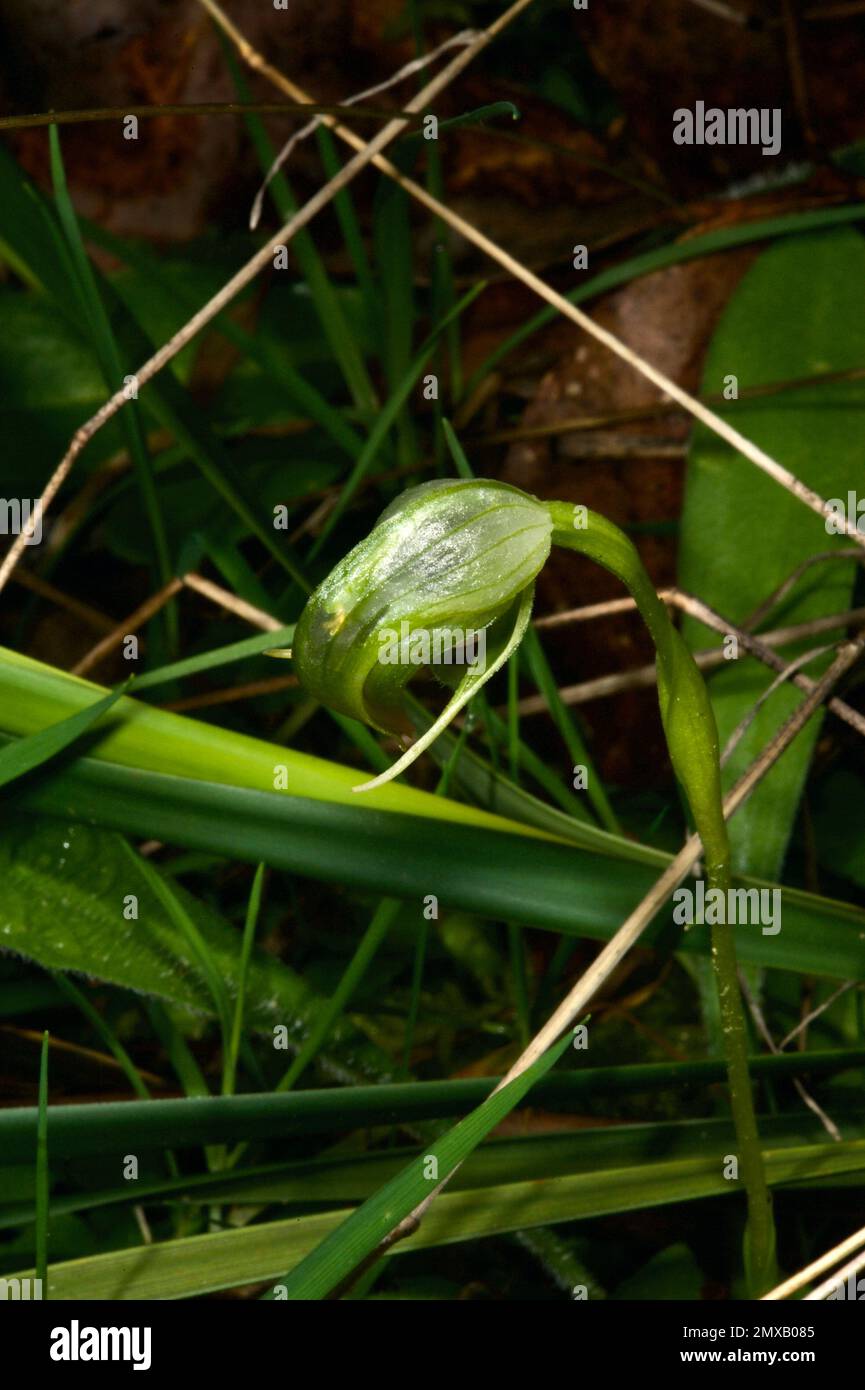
[452, 559]
[445, 562]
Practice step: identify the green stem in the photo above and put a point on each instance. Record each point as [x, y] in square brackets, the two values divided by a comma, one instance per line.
[201, 108]
[760, 1233]
[692, 738]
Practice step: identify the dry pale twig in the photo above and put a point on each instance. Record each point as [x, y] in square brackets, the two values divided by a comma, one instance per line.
[586, 424]
[416, 65]
[757, 646]
[231, 693]
[645, 675]
[226, 599]
[745, 723]
[837, 1280]
[141, 615]
[821, 558]
[804, 1276]
[91, 616]
[763, 1029]
[591, 611]
[722, 10]
[815, 1013]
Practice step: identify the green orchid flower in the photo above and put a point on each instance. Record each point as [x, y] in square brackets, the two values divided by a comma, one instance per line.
[444, 580]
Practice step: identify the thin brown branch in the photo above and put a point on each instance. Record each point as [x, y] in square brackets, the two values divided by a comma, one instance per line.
[722, 11]
[597, 610]
[644, 676]
[128, 626]
[763, 1029]
[758, 647]
[782, 677]
[232, 693]
[152, 605]
[815, 1013]
[822, 557]
[91, 616]
[256, 617]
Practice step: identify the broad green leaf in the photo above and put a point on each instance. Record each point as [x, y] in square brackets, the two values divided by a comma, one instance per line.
[33, 695]
[65, 887]
[193, 784]
[502, 876]
[797, 312]
[40, 409]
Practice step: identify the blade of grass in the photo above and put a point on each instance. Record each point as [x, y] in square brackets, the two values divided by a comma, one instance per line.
[182, 1060]
[392, 241]
[218, 656]
[33, 246]
[382, 921]
[352, 1177]
[258, 1253]
[488, 787]
[106, 1034]
[188, 1073]
[345, 1249]
[306, 397]
[348, 221]
[42, 1173]
[386, 417]
[230, 1065]
[191, 935]
[535, 881]
[454, 756]
[25, 754]
[82, 1130]
[105, 347]
[533, 656]
[319, 830]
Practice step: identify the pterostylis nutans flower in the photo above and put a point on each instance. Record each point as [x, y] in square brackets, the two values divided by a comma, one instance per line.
[452, 562]
[445, 580]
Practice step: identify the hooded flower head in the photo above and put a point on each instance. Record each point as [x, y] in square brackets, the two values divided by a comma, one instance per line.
[446, 561]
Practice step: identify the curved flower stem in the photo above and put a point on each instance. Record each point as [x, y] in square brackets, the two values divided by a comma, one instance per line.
[760, 1234]
[689, 726]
